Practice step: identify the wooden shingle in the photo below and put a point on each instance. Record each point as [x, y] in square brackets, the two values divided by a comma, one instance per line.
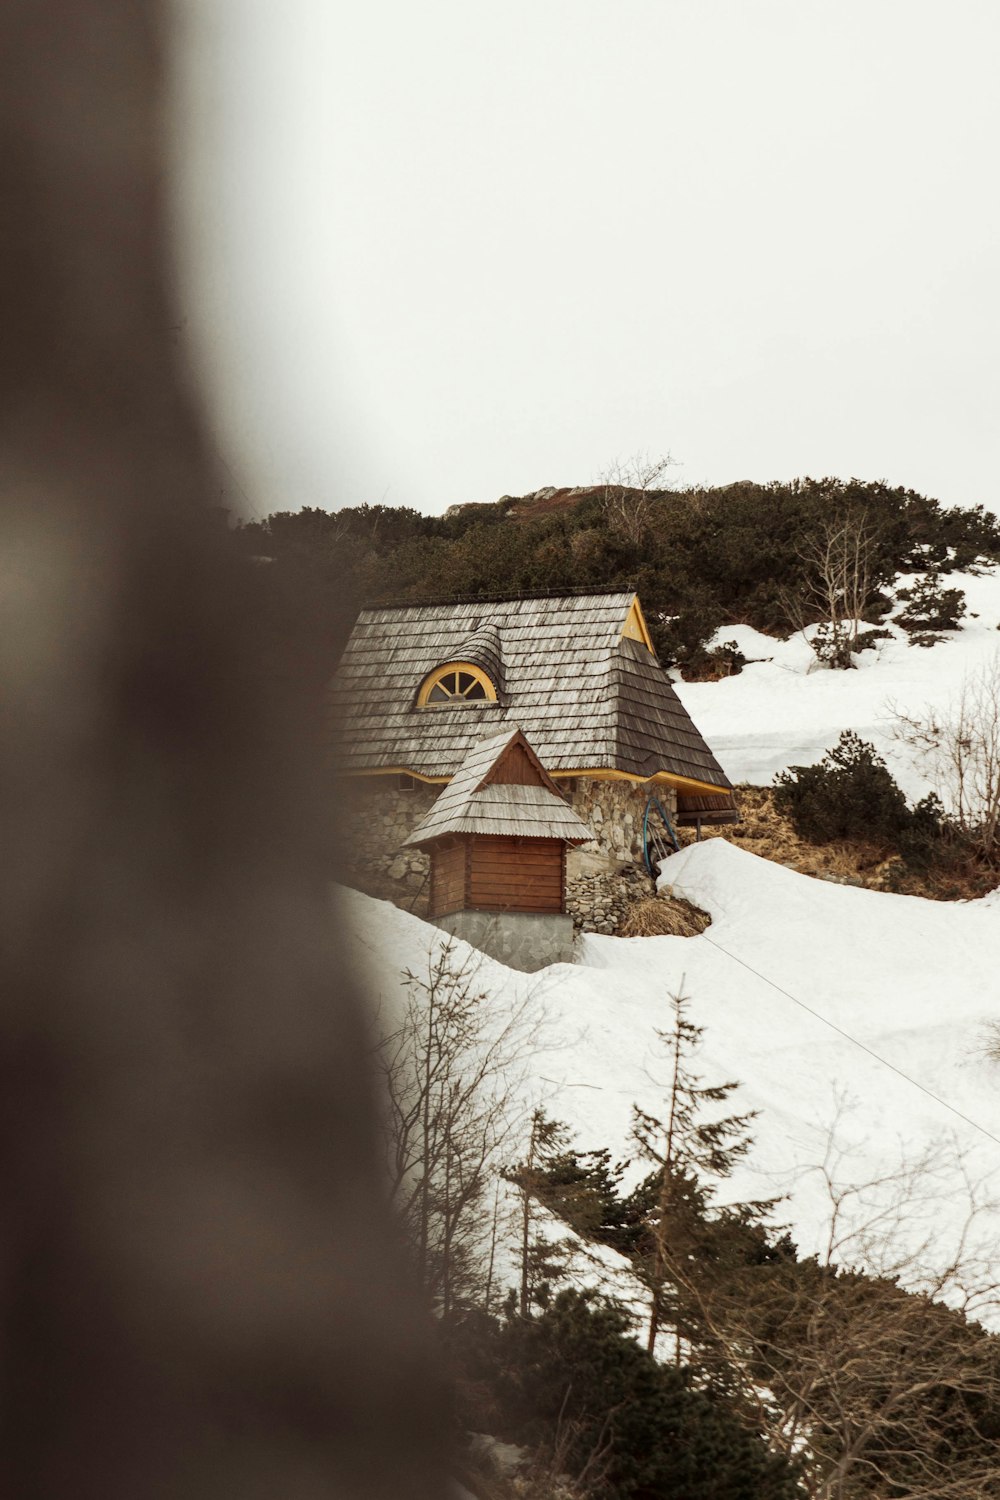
[586, 697]
[474, 802]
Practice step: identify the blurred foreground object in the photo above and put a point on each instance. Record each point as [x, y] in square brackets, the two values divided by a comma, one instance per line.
[201, 1290]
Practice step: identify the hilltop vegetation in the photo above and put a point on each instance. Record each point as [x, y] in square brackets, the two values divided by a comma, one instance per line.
[700, 558]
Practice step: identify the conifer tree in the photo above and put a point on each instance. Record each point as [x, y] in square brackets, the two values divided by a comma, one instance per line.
[582, 1189]
[539, 1259]
[689, 1154]
[611, 1421]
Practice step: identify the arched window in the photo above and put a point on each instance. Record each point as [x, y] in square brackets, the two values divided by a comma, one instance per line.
[457, 682]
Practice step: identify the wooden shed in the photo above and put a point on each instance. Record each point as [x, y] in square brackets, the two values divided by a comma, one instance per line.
[498, 833]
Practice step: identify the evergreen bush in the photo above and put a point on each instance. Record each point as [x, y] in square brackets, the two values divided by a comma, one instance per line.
[727, 659]
[930, 608]
[850, 794]
[573, 1381]
[867, 640]
[706, 558]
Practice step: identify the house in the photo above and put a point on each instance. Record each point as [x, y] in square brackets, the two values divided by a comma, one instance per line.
[418, 686]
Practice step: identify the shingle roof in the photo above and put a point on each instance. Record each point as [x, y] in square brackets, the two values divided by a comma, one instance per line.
[587, 698]
[468, 806]
[484, 650]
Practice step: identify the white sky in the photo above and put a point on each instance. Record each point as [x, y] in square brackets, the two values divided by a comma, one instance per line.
[442, 251]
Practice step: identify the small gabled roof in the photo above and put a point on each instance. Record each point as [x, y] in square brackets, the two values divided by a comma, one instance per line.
[473, 802]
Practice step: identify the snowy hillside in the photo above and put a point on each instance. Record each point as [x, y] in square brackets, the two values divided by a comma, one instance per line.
[784, 710]
[912, 980]
[853, 1019]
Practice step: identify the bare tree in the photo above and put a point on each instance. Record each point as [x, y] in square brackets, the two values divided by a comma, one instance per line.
[959, 746]
[628, 490]
[838, 578]
[451, 1069]
[540, 1257]
[862, 1362]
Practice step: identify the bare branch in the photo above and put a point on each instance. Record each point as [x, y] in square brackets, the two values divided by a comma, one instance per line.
[838, 578]
[628, 489]
[958, 746]
[451, 1067]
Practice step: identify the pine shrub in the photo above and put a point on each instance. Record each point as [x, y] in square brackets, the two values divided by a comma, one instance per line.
[850, 794]
[573, 1381]
[930, 608]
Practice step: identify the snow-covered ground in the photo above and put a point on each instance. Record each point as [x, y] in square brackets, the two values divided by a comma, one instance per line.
[820, 999]
[838, 1009]
[783, 709]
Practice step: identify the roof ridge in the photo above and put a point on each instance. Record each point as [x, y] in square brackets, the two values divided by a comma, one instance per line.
[515, 730]
[600, 590]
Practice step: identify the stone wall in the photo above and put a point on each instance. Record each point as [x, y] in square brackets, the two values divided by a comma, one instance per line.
[375, 817]
[597, 900]
[614, 811]
[606, 875]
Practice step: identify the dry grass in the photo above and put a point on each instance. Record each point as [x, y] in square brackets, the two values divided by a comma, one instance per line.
[766, 832]
[663, 916]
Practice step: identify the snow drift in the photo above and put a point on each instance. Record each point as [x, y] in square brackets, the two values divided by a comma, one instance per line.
[830, 1004]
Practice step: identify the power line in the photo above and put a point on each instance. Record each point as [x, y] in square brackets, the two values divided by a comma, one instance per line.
[847, 1036]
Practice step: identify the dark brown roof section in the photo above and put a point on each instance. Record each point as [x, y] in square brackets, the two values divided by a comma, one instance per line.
[712, 810]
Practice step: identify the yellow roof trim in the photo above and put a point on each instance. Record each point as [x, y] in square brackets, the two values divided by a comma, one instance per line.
[398, 771]
[635, 626]
[599, 773]
[659, 778]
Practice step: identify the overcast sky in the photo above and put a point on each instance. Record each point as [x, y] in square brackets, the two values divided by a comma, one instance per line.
[443, 250]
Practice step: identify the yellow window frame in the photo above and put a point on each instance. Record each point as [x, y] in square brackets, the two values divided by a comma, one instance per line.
[454, 693]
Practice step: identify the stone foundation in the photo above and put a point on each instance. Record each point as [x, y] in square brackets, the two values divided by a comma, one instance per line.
[520, 939]
[597, 899]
